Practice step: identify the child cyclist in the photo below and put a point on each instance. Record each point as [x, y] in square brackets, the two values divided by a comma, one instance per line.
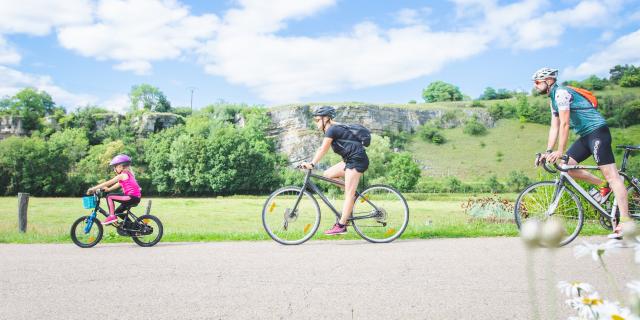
[354, 160]
[124, 179]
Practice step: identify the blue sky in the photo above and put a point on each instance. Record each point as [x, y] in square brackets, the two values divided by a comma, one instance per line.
[282, 51]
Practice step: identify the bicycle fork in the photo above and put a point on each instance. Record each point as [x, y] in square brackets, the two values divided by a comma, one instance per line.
[557, 194]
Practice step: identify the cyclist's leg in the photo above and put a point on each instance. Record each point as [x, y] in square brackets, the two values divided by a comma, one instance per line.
[115, 197]
[336, 171]
[603, 154]
[617, 186]
[578, 152]
[351, 181]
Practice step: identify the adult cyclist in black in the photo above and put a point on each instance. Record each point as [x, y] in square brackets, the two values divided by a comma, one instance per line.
[570, 109]
[354, 160]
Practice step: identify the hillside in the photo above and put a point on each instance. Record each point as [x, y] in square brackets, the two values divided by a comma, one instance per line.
[470, 157]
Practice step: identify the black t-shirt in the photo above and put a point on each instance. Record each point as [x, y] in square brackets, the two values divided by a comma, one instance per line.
[346, 149]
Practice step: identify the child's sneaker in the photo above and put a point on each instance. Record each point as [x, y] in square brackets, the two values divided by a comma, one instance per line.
[110, 219]
[337, 229]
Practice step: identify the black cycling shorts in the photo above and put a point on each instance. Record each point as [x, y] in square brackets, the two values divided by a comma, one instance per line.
[359, 161]
[596, 143]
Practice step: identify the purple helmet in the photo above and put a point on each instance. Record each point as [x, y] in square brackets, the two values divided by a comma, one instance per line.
[121, 158]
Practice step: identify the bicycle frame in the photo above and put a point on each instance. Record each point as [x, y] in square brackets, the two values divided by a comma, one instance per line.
[310, 185]
[564, 177]
[97, 209]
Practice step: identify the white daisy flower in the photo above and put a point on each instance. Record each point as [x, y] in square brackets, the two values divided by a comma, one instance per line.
[612, 311]
[574, 289]
[596, 250]
[585, 305]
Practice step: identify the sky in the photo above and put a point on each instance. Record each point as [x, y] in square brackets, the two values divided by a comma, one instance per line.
[290, 51]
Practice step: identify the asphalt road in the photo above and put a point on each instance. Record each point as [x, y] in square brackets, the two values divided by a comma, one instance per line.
[483, 278]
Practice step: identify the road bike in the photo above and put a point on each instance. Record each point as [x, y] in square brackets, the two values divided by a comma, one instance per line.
[561, 198]
[291, 215]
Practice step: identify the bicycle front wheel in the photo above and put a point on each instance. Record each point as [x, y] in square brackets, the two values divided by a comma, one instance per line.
[86, 232]
[286, 224]
[380, 214]
[542, 201]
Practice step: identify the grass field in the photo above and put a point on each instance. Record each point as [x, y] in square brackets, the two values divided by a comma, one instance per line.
[509, 146]
[238, 218]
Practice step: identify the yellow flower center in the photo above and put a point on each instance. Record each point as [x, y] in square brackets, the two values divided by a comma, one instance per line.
[591, 302]
[616, 317]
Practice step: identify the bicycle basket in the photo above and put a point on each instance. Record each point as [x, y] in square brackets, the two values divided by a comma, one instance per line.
[89, 202]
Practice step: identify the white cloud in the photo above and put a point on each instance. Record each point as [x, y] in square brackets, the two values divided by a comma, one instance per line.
[135, 33]
[247, 51]
[625, 50]
[8, 54]
[37, 17]
[12, 81]
[409, 16]
[119, 103]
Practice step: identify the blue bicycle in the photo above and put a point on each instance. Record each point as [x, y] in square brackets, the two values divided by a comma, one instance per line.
[87, 231]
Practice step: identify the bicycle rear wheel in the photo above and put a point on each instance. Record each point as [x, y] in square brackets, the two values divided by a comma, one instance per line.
[633, 197]
[286, 225]
[536, 202]
[380, 214]
[150, 231]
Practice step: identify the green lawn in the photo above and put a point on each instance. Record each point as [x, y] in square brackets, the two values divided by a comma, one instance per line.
[238, 218]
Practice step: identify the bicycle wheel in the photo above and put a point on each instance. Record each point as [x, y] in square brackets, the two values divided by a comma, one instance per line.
[151, 231]
[86, 239]
[288, 226]
[380, 214]
[536, 201]
[633, 196]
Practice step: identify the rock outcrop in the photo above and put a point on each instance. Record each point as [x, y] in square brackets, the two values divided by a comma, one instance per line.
[11, 126]
[296, 136]
[153, 122]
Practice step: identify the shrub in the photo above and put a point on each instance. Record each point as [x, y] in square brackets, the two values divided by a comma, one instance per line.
[474, 128]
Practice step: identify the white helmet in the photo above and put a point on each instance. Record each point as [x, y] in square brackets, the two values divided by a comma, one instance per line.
[545, 73]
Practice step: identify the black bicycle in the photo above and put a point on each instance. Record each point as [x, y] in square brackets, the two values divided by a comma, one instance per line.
[291, 215]
[87, 231]
[560, 199]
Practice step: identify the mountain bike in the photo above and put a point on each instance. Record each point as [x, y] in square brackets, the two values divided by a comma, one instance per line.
[560, 198]
[291, 215]
[87, 231]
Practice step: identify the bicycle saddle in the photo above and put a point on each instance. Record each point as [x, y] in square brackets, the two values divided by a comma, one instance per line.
[628, 147]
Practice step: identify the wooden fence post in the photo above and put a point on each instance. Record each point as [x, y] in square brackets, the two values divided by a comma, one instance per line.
[23, 205]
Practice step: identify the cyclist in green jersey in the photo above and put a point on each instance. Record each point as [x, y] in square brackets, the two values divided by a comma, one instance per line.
[572, 110]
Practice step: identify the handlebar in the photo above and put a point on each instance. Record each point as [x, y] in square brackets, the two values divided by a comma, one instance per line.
[545, 164]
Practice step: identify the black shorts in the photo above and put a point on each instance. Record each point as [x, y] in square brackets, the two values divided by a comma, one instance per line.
[596, 143]
[359, 161]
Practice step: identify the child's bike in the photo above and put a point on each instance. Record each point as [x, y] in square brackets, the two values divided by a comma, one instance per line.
[87, 231]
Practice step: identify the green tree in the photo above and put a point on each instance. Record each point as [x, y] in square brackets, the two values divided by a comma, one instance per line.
[31, 105]
[441, 91]
[148, 97]
[489, 94]
[28, 165]
[403, 172]
[517, 181]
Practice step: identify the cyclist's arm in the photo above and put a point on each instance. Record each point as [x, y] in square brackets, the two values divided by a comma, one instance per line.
[326, 144]
[553, 132]
[108, 183]
[113, 187]
[563, 130]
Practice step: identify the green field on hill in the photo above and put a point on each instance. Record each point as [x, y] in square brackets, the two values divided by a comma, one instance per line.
[509, 146]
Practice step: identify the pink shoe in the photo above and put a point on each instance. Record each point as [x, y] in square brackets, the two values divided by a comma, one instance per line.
[336, 230]
[110, 219]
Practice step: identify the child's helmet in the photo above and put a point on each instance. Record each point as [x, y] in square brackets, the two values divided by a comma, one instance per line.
[120, 159]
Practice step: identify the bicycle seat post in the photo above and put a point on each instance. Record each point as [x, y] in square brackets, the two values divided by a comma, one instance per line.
[625, 159]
